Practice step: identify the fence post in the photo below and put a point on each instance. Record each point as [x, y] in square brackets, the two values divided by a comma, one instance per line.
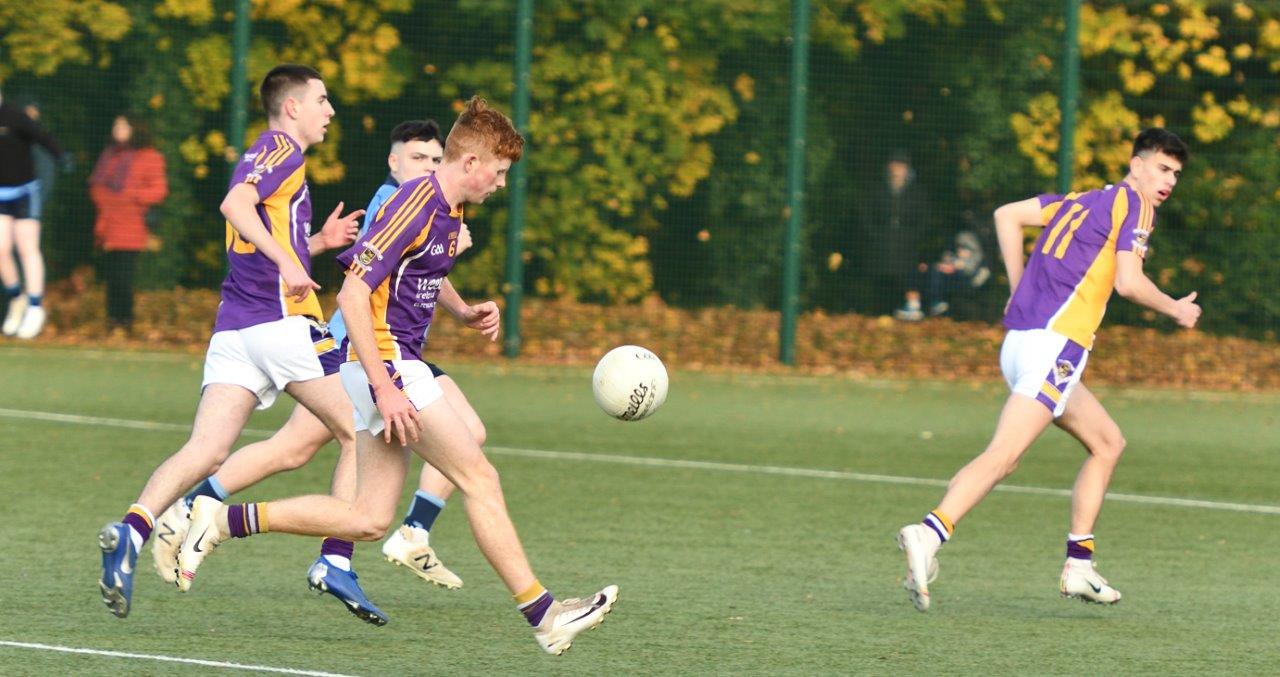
[239, 82]
[514, 286]
[1070, 94]
[795, 180]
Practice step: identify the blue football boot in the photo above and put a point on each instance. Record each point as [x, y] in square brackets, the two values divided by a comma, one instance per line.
[118, 560]
[324, 577]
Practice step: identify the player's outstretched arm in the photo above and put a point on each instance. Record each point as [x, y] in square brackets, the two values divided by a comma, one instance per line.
[1134, 285]
[398, 413]
[337, 231]
[239, 209]
[1010, 219]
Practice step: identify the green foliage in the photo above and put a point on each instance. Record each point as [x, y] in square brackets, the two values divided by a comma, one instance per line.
[40, 37]
[658, 129]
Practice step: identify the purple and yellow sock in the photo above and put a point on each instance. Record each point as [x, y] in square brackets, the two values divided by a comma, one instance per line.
[534, 602]
[140, 521]
[941, 525]
[246, 519]
[1080, 546]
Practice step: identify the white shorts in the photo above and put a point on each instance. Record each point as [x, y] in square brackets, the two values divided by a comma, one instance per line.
[412, 377]
[1043, 365]
[267, 357]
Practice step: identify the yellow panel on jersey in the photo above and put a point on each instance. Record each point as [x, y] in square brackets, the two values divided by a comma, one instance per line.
[1080, 316]
[277, 208]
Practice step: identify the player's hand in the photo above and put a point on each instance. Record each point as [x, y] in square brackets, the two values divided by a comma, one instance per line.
[398, 414]
[484, 318]
[1186, 312]
[340, 231]
[297, 283]
[464, 239]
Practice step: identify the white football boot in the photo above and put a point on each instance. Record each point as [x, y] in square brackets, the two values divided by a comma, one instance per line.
[203, 535]
[31, 324]
[17, 308]
[920, 544]
[565, 619]
[1081, 580]
[170, 531]
[408, 547]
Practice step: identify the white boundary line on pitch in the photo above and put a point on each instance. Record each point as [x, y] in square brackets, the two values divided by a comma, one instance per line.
[718, 466]
[166, 659]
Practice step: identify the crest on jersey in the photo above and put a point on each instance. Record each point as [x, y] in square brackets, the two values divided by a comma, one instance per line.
[1063, 371]
[366, 258]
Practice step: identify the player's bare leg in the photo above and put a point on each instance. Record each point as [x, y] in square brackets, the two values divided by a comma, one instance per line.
[291, 447]
[332, 571]
[409, 545]
[1088, 421]
[221, 415]
[17, 303]
[27, 237]
[382, 469]
[1021, 422]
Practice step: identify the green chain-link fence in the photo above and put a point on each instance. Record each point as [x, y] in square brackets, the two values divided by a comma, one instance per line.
[660, 139]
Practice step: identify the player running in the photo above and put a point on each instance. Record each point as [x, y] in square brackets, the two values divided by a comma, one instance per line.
[268, 335]
[1094, 242]
[394, 276]
[416, 150]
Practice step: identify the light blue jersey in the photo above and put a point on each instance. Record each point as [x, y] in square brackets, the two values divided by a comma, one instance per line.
[337, 327]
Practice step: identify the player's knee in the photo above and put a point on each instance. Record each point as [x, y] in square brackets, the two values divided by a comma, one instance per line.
[1111, 448]
[1008, 466]
[480, 479]
[203, 458]
[480, 433]
[371, 526]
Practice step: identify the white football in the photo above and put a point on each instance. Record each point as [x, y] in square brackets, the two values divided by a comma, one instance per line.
[630, 383]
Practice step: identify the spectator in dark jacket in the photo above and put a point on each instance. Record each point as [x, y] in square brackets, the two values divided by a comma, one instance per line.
[896, 224]
[128, 181]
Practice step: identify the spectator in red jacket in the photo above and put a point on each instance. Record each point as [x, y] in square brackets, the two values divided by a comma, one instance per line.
[127, 182]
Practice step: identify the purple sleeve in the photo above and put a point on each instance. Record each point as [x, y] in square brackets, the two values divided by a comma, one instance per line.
[376, 253]
[1135, 229]
[267, 163]
[1049, 204]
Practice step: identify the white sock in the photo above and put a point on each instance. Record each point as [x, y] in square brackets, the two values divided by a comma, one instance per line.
[136, 538]
[339, 561]
[1079, 537]
[1080, 562]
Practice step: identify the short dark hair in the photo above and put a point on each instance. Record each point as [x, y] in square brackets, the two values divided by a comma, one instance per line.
[416, 130]
[280, 81]
[1158, 139]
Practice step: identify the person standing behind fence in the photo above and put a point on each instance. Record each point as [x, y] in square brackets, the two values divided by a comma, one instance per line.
[896, 222]
[128, 181]
[20, 220]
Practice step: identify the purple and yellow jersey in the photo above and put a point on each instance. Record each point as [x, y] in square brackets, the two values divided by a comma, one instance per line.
[1072, 268]
[404, 257]
[253, 291]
